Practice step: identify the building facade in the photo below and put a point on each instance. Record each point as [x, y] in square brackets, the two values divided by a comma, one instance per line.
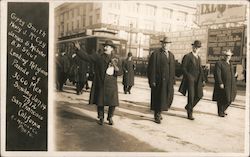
[135, 22]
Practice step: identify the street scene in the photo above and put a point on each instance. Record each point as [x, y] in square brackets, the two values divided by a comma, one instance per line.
[134, 129]
[153, 77]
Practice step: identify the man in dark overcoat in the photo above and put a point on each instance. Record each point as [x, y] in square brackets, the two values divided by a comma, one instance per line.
[104, 90]
[80, 73]
[193, 79]
[225, 83]
[128, 68]
[62, 70]
[161, 77]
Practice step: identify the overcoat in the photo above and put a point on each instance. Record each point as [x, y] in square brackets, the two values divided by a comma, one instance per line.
[79, 68]
[224, 74]
[128, 67]
[161, 71]
[104, 90]
[191, 70]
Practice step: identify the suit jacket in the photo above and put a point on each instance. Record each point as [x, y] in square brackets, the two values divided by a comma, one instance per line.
[192, 71]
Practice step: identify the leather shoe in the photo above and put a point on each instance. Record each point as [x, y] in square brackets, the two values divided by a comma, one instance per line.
[110, 121]
[190, 116]
[100, 121]
[221, 115]
[157, 120]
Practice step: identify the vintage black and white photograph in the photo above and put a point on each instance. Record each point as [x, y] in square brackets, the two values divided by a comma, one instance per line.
[124, 78]
[150, 76]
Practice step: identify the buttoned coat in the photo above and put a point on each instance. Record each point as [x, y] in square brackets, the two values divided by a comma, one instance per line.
[224, 74]
[161, 72]
[190, 71]
[104, 90]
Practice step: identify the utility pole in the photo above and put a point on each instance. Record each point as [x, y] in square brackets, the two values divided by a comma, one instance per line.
[130, 36]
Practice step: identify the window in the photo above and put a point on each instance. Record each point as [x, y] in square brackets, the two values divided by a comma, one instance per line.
[166, 13]
[67, 29]
[114, 6]
[90, 20]
[83, 20]
[78, 24]
[132, 7]
[113, 19]
[77, 12]
[91, 6]
[150, 10]
[180, 16]
[84, 10]
[97, 17]
[165, 27]
[67, 15]
[149, 25]
[72, 13]
[72, 25]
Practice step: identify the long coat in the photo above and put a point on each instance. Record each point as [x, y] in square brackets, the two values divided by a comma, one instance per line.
[104, 90]
[79, 70]
[191, 70]
[224, 74]
[128, 67]
[161, 71]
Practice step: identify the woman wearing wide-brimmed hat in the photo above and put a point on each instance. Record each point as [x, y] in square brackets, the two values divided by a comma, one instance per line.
[225, 83]
[104, 90]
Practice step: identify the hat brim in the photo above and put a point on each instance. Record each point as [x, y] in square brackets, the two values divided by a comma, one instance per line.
[165, 41]
[197, 45]
[109, 45]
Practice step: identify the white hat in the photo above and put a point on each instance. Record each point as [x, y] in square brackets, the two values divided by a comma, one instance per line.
[227, 52]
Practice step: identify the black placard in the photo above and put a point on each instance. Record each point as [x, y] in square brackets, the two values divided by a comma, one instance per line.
[27, 76]
[222, 39]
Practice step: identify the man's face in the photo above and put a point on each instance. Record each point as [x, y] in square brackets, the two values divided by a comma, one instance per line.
[228, 57]
[196, 49]
[166, 46]
[108, 49]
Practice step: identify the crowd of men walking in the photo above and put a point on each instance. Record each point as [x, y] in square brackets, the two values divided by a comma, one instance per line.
[161, 78]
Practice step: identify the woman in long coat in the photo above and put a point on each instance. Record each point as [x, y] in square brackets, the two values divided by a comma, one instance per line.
[225, 83]
[128, 67]
[104, 90]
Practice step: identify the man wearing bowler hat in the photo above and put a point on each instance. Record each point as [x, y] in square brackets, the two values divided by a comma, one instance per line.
[161, 78]
[225, 83]
[193, 79]
[104, 90]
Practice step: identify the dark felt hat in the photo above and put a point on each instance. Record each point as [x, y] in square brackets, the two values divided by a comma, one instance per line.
[197, 43]
[129, 54]
[110, 43]
[165, 40]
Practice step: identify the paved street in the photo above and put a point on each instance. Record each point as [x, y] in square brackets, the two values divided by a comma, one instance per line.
[135, 131]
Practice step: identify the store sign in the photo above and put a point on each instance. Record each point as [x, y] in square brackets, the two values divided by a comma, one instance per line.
[221, 13]
[223, 39]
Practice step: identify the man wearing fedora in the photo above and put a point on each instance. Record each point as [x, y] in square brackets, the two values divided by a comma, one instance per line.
[161, 78]
[225, 83]
[104, 90]
[193, 79]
